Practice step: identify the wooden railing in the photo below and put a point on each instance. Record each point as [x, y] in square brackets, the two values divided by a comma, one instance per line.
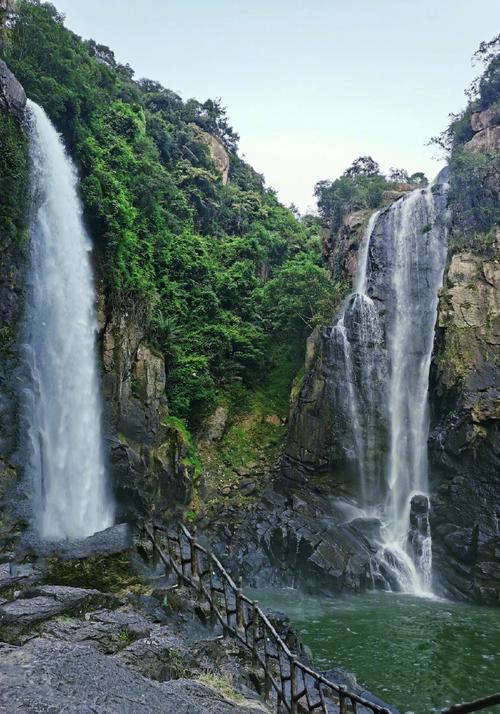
[474, 706]
[296, 687]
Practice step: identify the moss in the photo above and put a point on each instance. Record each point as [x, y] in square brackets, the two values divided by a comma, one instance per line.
[191, 459]
[222, 683]
[172, 600]
[456, 360]
[478, 242]
[126, 637]
[108, 573]
[5, 339]
[297, 384]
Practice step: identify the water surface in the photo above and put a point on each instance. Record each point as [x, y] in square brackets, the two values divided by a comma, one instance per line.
[418, 654]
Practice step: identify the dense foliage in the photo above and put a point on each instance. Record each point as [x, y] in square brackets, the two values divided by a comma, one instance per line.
[361, 186]
[13, 180]
[223, 273]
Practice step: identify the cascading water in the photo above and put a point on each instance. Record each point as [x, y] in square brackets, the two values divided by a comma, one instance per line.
[62, 409]
[384, 340]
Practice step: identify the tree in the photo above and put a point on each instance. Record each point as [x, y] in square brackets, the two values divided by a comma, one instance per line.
[398, 175]
[419, 179]
[363, 166]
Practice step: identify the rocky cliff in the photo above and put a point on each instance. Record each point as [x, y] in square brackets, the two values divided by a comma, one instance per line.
[465, 399]
[147, 455]
[13, 171]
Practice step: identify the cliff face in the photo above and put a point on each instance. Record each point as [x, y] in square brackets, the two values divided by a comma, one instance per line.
[148, 459]
[465, 401]
[13, 172]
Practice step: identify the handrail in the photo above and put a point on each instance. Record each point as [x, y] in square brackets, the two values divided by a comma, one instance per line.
[474, 706]
[297, 687]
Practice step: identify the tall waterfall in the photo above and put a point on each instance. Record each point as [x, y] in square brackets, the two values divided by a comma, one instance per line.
[383, 342]
[62, 409]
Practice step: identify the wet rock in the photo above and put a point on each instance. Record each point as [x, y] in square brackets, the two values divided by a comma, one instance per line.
[309, 541]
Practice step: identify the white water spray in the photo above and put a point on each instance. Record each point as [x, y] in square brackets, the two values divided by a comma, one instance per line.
[62, 407]
[386, 360]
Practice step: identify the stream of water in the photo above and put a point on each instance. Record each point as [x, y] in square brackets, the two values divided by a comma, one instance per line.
[382, 345]
[418, 654]
[61, 403]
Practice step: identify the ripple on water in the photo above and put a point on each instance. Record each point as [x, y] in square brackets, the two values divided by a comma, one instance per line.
[419, 654]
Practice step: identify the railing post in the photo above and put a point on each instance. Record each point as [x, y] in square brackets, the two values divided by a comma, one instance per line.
[240, 625]
[342, 700]
[267, 680]
[255, 631]
[156, 555]
[293, 685]
[194, 555]
[212, 591]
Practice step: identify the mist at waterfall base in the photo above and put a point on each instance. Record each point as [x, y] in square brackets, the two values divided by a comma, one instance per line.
[381, 346]
[418, 654]
[61, 403]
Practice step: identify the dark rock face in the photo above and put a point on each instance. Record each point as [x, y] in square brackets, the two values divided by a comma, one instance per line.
[12, 288]
[465, 438]
[420, 528]
[147, 459]
[12, 95]
[310, 540]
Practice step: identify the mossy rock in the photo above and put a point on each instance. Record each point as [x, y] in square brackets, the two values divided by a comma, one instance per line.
[106, 572]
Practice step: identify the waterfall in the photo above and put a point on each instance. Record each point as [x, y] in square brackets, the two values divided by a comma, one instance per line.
[61, 405]
[386, 333]
[419, 256]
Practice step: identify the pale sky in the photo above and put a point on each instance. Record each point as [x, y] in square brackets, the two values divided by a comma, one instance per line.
[309, 85]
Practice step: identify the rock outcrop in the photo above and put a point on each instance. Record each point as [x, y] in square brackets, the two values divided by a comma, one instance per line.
[218, 154]
[12, 289]
[147, 457]
[486, 125]
[465, 439]
[12, 95]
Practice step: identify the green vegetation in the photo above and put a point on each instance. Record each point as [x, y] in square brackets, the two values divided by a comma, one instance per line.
[222, 273]
[13, 180]
[361, 186]
[222, 683]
